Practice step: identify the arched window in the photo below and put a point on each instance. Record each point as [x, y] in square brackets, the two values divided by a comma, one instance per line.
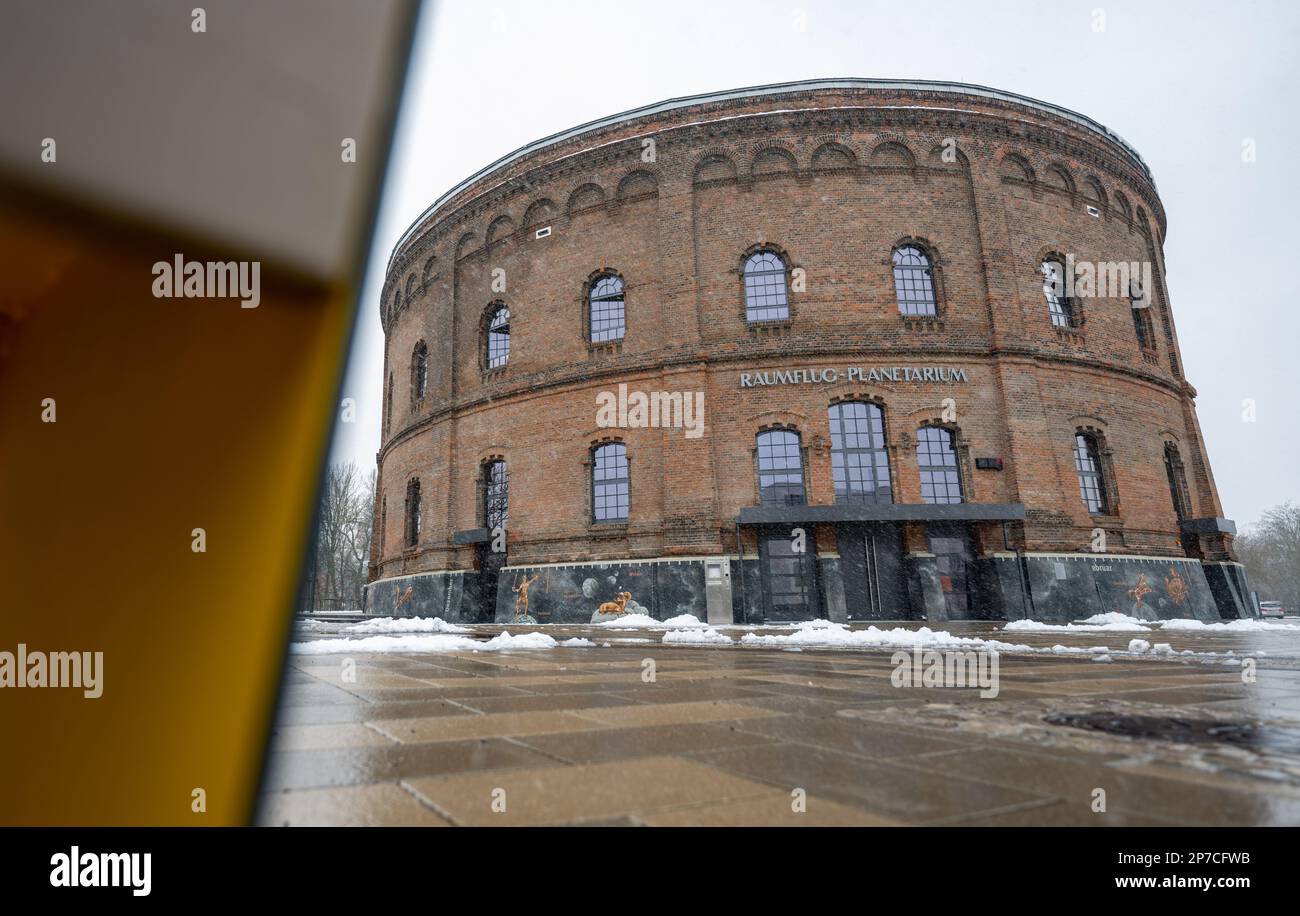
[1177, 482]
[914, 281]
[605, 304]
[766, 293]
[859, 459]
[1142, 325]
[780, 468]
[412, 513]
[611, 495]
[498, 336]
[936, 458]
[1092, 482]
[1059, 305]
[496, 495]
[419, 371]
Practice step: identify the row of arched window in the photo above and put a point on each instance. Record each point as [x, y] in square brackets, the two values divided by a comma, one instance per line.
[766, 281]
[860, 469]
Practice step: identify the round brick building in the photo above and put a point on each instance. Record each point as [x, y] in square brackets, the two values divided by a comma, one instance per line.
[852, 349]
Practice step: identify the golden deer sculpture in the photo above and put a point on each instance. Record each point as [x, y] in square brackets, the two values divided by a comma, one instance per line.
[617, 606]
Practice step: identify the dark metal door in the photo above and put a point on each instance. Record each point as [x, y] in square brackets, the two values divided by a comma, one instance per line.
[489, 568]
[873, 579]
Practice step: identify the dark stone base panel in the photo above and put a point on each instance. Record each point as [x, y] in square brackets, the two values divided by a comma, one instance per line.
[1066, 588]
[571, 594]
[1230, 589]
[453, 596]
[1056, 589]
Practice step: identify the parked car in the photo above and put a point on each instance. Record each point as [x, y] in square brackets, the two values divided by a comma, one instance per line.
[1271, 609]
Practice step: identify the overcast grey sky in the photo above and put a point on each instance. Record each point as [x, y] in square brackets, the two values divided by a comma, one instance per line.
[1185, 82]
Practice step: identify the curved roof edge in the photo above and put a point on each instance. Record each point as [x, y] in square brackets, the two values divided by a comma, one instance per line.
[772, 89]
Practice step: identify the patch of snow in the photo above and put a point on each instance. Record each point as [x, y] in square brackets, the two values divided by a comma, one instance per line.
[1097, 623]
[682, 621]
[413, 643]
[578, 642]
[1249, 624]
[697, 637]
[631, 621]
[406, 625]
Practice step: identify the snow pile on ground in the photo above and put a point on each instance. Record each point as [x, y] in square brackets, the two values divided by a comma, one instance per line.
[682, 621]
[697, 636]
[406, 625]
[577, 642]
[1249, 624]
[1097, 623]
[412, 643]
[646, 622]
[826, 634]
[1142, 647]
[630, 621]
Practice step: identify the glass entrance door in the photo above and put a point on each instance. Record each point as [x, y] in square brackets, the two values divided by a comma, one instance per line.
[788, 577]
[951, 546]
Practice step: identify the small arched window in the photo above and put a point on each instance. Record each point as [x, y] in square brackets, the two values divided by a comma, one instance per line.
[936, 458]
[859, 458]
[766, 291]
[1059, 306]
[605, 309]
[611, 492]
[496, 495]
[914, 281]
[412, 513]
[419, 371]
[1092, 481]
[497, 345]
[780, 468]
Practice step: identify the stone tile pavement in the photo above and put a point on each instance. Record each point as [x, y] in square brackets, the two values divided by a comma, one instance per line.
[764, 736]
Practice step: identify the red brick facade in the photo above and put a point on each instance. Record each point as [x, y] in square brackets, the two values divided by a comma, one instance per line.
[834, 178]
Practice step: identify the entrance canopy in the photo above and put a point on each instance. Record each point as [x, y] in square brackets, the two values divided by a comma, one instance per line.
[884, 512]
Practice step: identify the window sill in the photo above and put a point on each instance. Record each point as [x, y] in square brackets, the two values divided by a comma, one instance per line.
[1072, 335]
[774, 328]
[922, 322]
[1151, 356]
[488, 375]
[605, 348]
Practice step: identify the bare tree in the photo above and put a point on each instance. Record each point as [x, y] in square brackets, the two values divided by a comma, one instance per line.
[342, 538]
[1270, 551]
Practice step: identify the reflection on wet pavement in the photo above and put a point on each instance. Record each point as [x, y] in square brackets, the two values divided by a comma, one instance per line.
[655, 733]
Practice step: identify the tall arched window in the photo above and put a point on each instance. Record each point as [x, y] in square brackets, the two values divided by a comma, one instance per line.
[1142, 325]
[1092, 482]
[611, 495]
[766, 292]
[780, 468]
[388, 405]
[498, 336]
[412, 513]
[419, 371]
[1177, 482]
[914, 281]
[605, 308]
[859, 458]
[1059, 305]
[496, 495]
[936, 458]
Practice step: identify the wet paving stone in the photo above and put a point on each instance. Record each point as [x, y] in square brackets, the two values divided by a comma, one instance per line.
[725, 735]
